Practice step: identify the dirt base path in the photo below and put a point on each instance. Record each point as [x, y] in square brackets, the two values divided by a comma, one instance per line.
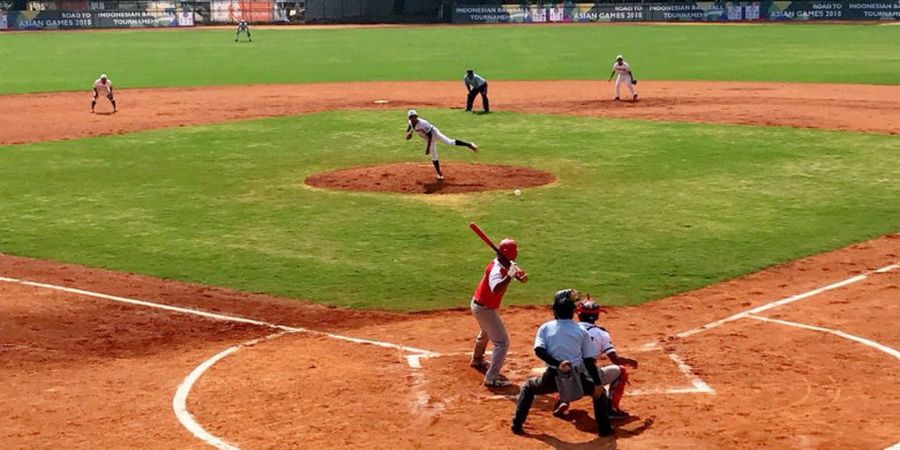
[66, 115]
[88, 372]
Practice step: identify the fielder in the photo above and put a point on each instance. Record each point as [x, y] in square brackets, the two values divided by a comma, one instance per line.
[242, 28]
[613, 375]
[431, 135]
[565, 348]
[476, 85]
[103, 86]
[485, 303]
[623, 75]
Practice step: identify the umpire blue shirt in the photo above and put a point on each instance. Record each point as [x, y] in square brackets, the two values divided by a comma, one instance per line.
[475, 81]
[565, 340]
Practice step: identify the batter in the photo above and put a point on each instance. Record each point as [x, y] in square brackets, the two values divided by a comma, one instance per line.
[485, 303]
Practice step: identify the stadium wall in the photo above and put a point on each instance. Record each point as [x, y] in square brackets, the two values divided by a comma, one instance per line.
[678, 11]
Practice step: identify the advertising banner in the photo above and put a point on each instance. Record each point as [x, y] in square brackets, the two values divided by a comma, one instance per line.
[67, 20]
[689, 11]
[230, 11]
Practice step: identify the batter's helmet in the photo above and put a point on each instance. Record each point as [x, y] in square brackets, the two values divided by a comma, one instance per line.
[588, 311]
[509, 249]
[564, 304]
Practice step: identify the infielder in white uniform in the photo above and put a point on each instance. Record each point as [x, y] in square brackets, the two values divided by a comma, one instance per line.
[432, 135]
[103, 86]
[612, 375]
[623, 75]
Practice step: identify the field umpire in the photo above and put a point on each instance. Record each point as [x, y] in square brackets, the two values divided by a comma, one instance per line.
[566, 348]
[475, 84]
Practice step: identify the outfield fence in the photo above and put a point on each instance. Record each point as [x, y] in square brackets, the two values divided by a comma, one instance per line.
[678, 11]
[67, 14]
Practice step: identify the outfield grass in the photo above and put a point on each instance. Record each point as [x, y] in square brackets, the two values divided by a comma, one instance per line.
[56, 61]
[642, 210]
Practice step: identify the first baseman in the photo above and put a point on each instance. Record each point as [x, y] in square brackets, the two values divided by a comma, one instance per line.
[103, 86]
[613, 375]
[431, 135]
[623, 75]
[485, 303]
[242, 28]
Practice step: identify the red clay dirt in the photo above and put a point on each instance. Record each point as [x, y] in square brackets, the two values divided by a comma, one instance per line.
[89, 373]
[65, 115]
[412, 178]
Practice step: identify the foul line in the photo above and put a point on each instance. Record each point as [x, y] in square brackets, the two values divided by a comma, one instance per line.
[774, 304]
[861, 340]
[216, 316]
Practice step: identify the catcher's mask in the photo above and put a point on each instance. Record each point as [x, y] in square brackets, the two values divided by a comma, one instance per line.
[588, 311]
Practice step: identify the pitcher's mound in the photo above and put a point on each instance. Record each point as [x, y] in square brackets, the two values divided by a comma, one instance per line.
[418, 178]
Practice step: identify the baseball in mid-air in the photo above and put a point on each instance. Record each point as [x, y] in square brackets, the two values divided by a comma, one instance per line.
[517, 192]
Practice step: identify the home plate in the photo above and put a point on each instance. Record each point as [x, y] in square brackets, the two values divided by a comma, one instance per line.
[380, 102]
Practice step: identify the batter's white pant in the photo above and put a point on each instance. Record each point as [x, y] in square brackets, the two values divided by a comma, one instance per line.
[491, 328]
[626, 79]
[436, 136]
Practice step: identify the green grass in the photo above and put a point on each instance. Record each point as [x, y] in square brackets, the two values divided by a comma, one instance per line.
[59, 61]
[641, 211]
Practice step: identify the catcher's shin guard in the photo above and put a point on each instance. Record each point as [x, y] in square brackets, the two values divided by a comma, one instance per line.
[617, 389]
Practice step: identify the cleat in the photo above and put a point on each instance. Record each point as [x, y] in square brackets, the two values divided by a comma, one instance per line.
[560, 408]
[618, 414]
[517, 430]
[498, 382]
[474, 147]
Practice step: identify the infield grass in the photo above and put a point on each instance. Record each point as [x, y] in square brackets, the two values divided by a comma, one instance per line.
[642, 210]
[57, 61]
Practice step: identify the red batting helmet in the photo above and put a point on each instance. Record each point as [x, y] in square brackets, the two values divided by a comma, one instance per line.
[509, 249]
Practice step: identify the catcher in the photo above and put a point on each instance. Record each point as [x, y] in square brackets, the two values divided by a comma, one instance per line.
[104, 86]
[613, 375]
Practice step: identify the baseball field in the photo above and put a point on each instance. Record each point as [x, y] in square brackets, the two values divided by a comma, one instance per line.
[248, 254]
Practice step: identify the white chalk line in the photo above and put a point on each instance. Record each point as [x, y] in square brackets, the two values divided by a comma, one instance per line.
[179, 401]
[894, 447]
[217, 316]
[774, 304]
[861, 340]
[698, 384]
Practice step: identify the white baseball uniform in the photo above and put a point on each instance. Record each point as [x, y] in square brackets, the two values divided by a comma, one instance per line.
[623, 75]
[103, 88]
[422, 127]
[603, 346]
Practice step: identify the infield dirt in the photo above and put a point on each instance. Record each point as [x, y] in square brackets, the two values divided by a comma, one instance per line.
[87, 373]
[66, 115]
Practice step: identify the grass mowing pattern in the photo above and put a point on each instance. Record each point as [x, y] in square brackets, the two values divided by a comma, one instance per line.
[641, 211]
[56, 61]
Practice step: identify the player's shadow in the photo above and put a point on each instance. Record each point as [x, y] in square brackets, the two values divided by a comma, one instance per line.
[584, 422]
[599, 443]
[104, 113]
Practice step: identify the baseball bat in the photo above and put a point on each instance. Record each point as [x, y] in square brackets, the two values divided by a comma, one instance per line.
[484, 237]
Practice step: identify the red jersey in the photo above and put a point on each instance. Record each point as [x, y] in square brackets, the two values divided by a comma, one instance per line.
[493, 285]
